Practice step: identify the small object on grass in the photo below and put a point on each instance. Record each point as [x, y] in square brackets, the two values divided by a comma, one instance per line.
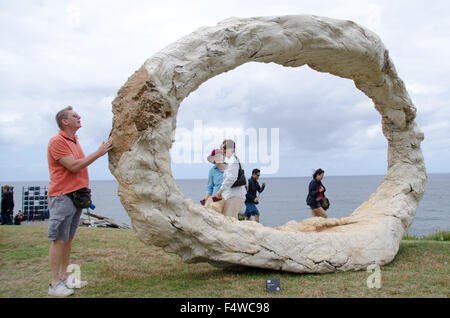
[273, 285]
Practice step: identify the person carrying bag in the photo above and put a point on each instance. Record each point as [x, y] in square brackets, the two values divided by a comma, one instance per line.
[234, 182]
[316, 198]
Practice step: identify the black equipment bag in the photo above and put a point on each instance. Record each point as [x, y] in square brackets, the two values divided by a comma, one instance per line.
[81, 198]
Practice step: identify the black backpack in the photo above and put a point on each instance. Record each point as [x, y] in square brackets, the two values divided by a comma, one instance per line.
[241, 179]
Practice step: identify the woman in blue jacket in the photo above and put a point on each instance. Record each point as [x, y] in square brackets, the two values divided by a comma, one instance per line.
[215, 177]
[316, 191]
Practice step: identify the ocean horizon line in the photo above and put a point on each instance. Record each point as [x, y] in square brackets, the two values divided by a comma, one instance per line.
[262, 177]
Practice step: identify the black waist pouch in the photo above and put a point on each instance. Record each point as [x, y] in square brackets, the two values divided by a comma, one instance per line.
[81, 198]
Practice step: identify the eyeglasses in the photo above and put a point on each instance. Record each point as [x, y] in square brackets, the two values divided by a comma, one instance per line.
[75, 115]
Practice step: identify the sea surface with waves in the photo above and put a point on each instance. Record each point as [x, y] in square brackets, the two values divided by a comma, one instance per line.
[284, 199]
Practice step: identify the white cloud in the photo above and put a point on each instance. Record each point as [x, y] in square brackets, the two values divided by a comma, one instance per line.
[425, 89]
[374, 16]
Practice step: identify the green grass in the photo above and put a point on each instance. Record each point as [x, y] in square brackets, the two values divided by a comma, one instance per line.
[117, 264]
[437, 236]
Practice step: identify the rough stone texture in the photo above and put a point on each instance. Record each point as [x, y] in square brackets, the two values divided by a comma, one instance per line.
[144, 126]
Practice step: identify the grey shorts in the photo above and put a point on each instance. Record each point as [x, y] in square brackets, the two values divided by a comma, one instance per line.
[64, 218]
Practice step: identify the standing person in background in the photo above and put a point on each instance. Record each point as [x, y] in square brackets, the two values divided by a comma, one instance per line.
[67, 166]
[215, 179]
[234, 196]
[7, 205]
[215, 176]
[316, 192]
[251, 198]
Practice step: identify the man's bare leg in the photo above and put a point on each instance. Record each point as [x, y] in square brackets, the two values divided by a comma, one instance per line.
[56, 256]
[66, 259]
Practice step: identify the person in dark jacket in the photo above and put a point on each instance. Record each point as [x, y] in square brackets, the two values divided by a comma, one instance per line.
[316, 191]
[251, 198]
[7, 205]
[18, 218]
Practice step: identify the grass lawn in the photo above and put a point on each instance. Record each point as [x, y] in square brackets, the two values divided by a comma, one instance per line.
[117, 264]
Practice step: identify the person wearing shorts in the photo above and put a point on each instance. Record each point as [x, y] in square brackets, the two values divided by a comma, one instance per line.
[251, 199]
[251, 210]
[64, 218]
[68, 172]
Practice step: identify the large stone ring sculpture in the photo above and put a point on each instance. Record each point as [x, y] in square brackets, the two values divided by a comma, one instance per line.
[144, 126]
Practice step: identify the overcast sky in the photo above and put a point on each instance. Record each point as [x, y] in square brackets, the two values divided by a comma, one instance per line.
[79, 53]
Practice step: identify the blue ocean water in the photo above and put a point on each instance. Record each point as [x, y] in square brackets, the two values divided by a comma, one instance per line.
[284, 199]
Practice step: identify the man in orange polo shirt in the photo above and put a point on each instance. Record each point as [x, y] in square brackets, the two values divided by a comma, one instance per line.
[68, 172]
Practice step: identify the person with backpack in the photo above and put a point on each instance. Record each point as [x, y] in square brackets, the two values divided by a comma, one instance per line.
[251, 199]
[232, 189]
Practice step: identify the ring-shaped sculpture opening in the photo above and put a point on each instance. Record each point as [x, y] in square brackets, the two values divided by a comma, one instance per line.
[286, 122]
